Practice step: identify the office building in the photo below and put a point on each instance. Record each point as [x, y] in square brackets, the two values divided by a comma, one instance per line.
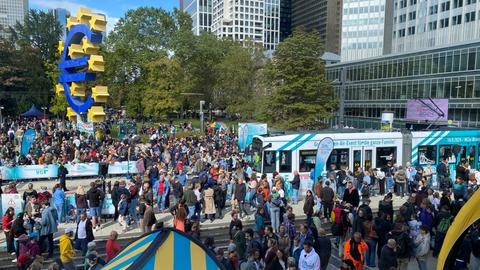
[364, 28]
[385, 83]
[285, 19]
[61, 16]
[11, 12]
[420, 24]
[201, 13]
[323, 16]
[247, 20]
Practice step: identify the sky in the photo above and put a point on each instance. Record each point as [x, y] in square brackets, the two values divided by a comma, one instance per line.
[113, 9]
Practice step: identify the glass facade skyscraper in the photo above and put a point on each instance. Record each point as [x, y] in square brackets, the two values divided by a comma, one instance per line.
[385, 83]
[363, 26]
[61, 16]
[422, 24]
[247, 20]
[201, 13]
[11, 12]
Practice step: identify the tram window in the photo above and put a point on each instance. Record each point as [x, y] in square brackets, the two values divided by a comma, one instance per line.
[307, 160]
[447, 154]
[463, 153]
[385, 155]
[339, 158]
[285, 161]
[269, 162]
[427, 154]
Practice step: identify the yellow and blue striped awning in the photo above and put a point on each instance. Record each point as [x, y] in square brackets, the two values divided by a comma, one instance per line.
[166, 249]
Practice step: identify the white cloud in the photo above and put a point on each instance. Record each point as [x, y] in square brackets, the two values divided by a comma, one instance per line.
[72, 7]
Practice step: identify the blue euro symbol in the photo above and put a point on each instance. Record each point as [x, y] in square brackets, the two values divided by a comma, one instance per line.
[75, 70]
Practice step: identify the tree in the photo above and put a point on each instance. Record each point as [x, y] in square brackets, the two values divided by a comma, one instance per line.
[40, 30]
[300, 95]
[22, 78]
[138, 38]
[235, 86]
[163, 82]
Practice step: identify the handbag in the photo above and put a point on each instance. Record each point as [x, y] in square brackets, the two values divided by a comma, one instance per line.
[372, 233]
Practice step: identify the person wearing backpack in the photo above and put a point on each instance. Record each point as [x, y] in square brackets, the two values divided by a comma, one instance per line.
[442, 223]
[404, 248]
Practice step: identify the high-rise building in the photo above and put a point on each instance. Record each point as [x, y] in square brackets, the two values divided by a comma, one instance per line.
[285, 19]
[323, 16]
[248, 20]
[386, 83]
[421, 24]
[61, 16]
[201, 13]
[364, 28]
[11, 12]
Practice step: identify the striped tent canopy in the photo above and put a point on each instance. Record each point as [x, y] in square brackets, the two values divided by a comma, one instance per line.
[166, 249]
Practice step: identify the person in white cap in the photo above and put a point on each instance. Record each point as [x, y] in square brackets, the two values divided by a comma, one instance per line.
[66, 249]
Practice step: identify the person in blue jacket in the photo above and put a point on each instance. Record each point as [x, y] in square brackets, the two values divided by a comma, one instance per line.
[59, 201]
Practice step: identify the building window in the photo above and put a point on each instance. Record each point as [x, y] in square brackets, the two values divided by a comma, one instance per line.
[457, 20]
[432, 26]
[412, 15]
[470, 17]
[433, 10]
[403, 18]
[471, 2]
[411, 30]
[446, 6]
[413, 2]
[457, 3]
[401, 32]
[444, 23]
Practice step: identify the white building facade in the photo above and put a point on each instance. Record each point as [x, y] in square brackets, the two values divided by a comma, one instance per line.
[201, 13]
[247, 20]
[11, 11]
[363, 25]
[422, 24]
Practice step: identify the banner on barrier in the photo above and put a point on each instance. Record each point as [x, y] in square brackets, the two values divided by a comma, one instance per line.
[107, 207]
[74, 170]
[29, 172]
[12, 200]
[123, 167]
[82, 169]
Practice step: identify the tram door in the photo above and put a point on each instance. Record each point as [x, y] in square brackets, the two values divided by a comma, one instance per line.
[362, 157]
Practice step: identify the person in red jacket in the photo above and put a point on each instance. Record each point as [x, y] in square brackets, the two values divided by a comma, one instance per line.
[112, 247]
[7, 222]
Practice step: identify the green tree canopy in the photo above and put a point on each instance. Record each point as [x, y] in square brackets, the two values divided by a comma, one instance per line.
[299, 95]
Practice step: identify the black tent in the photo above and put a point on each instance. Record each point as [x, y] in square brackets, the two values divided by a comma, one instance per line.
[33, 112]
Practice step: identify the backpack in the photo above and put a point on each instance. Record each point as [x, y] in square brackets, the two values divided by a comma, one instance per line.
[403, 243]
[444, 225]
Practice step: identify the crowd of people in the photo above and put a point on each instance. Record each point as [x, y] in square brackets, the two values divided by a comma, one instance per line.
[198, 178]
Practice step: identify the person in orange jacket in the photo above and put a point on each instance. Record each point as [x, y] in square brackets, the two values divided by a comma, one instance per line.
[354, 250]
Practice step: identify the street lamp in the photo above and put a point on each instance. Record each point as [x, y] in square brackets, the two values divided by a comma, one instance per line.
[44, 111]
[1, 116]
[202, 102]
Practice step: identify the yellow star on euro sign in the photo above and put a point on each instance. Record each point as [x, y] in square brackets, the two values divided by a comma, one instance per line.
[60, 47]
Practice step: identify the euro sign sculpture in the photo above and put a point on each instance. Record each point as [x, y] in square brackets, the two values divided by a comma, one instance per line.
[80, 64]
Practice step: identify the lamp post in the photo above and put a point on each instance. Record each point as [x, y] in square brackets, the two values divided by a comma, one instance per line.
[1, 116]
[202, 102]
[44, 111]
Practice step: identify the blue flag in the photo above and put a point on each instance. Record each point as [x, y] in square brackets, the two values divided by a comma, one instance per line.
[325, 147]
[27, 141]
